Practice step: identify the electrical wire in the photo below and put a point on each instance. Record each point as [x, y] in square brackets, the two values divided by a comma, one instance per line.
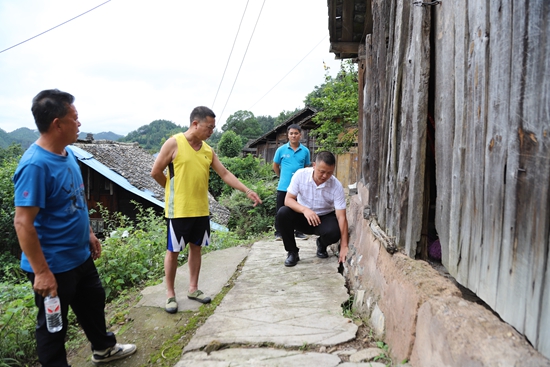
[229, 58]
[242, 61]
[59, 25]
[299, 62]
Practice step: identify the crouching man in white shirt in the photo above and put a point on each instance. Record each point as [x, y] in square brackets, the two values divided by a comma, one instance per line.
[315, 203]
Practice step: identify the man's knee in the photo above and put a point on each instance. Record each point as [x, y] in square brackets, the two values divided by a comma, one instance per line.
[284, 211]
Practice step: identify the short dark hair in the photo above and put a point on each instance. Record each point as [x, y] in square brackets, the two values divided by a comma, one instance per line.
[49, 105]
[327, 157]
[295, 127]
[200, 113]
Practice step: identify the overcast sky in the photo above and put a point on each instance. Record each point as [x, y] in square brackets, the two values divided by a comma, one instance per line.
[130, 62]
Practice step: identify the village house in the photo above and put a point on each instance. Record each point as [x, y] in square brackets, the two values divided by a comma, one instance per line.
[266, 145]
[453, 144]
[116, 174]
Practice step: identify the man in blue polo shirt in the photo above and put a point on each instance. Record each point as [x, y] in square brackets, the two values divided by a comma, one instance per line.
[289, 158]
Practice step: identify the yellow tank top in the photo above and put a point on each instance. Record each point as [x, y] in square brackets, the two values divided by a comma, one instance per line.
[186, 191]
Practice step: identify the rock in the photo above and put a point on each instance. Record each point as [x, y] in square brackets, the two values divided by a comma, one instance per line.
[365, 355]
[344, 352]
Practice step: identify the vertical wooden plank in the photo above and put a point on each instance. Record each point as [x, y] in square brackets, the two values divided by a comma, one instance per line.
[419, 57]
[533, 182]
[513, 266]
[361, 116]
[496, 146]
[369, 153]
[459, 146]
[477, 124]
[444, 117]
[543, 330]
[347, 21]
[396, 188]
[380, 87]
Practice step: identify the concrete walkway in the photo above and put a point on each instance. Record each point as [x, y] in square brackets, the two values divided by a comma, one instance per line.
[272, 308]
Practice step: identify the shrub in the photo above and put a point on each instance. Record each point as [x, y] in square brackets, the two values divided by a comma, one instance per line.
[247, 220]
[9, 241]
[133, 254]
[17, 324]
[249, 169]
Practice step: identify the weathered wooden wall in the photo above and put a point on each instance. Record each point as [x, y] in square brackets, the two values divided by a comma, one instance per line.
[492, 112]
[395, 108]
[488, 65]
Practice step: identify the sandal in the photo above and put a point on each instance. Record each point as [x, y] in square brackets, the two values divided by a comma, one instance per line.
[171, 305]
[198, 296]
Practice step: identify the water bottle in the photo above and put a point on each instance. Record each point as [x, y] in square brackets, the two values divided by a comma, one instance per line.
[52, 307]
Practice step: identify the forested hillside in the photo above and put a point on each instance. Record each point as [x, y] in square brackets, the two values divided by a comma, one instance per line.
[22, 136]
[152, 136]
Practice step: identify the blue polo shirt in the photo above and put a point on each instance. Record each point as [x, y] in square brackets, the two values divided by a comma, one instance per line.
[290, 161]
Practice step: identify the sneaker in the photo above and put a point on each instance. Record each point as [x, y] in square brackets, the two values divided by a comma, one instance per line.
[117, 351]
[198, 296]
[171, 305]
[301, 236]
[278, 237]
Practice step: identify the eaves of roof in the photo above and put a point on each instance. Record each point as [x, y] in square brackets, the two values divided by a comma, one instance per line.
[298, 118]
[89, 160]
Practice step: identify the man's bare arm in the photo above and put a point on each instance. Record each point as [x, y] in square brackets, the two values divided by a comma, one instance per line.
[166, 155]
[44, 281]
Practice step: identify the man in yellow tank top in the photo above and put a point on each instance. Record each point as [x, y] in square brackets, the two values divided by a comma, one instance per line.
[188, 159]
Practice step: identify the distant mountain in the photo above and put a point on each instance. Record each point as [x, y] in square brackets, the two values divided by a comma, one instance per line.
[24, 136]
[101, 136]
[152, 136]
[5, 139]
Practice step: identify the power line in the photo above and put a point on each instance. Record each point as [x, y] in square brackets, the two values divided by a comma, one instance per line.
[250, 40]
[229, 58]
[299, 62]
[20, 43]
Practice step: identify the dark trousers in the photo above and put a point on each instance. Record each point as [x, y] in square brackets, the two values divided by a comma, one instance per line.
[328, 231]
[280, 203]
[81, 289]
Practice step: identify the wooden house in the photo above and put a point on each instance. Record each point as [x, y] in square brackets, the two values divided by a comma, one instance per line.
[454, 138]
[115, 174]
[266, 145]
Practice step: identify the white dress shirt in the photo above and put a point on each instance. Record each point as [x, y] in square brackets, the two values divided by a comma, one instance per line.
[322, 199]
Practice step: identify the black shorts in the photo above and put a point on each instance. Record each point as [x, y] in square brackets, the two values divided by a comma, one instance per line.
[181, 231]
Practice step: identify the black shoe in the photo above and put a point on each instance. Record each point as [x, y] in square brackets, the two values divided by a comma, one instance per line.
[321, 250]
[292, 259]
[300, 235]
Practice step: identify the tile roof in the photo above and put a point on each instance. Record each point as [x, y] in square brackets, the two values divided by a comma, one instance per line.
[134, 163]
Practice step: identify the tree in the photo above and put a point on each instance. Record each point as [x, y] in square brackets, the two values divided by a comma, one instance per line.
[230, 145]
[337, 101]
[13, 151]
[244, 124]
[214, 139]
[151, 136]
[284, 115]
[8, 164]
[266, 123]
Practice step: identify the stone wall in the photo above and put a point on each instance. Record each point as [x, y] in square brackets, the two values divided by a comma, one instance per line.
[420, 313]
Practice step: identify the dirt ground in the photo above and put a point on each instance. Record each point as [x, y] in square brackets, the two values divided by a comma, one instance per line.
[147, 327]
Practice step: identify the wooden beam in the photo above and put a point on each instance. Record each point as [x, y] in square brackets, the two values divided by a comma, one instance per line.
[345, 47]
